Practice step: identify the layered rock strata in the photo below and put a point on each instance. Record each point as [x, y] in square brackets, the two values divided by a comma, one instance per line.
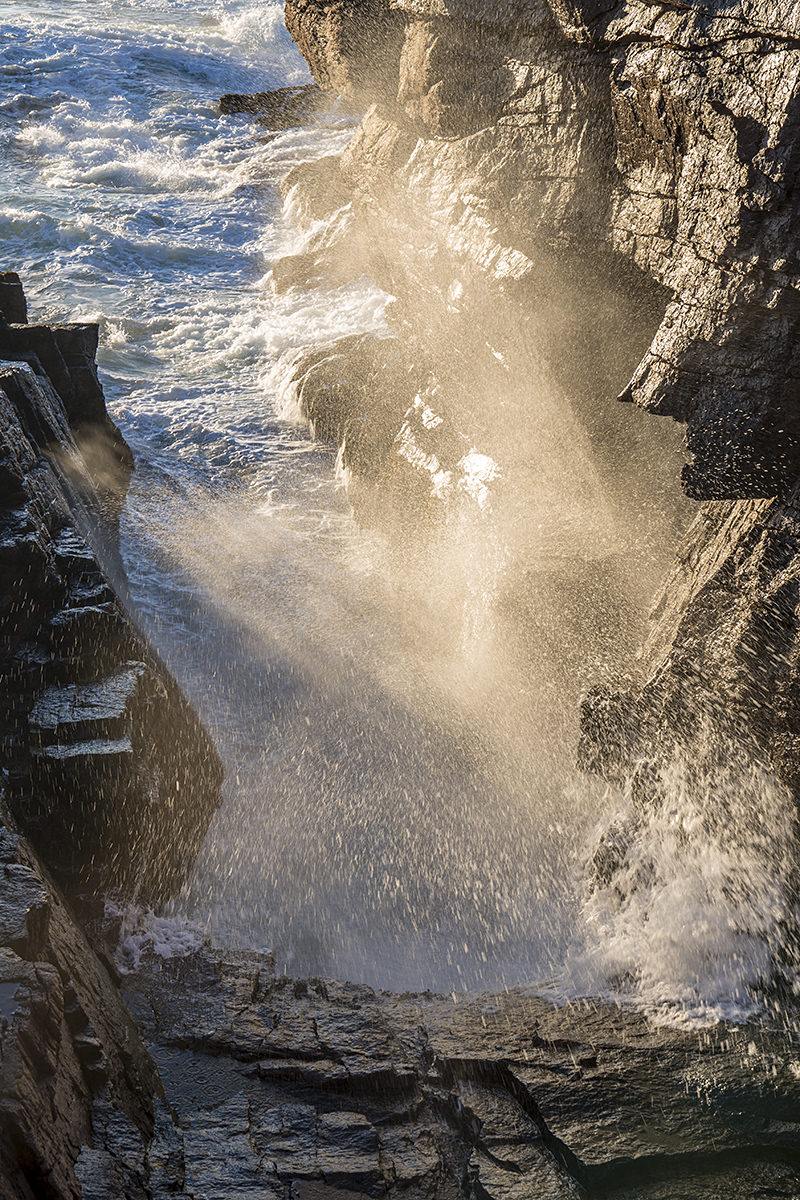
[322, 1090]
[108, 783]
[106, 768]
[80, 1099]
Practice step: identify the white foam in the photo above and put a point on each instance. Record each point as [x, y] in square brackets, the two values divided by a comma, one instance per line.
[142, 931]
[691, 925]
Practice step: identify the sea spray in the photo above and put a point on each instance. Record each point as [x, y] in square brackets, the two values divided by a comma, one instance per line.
[690, 893]
[401, 802]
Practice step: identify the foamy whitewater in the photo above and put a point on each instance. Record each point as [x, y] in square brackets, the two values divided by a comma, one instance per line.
[400, 806]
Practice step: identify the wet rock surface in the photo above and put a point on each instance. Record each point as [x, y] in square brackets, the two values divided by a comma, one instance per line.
[106, 768]
[13, 305]
[280, 108]
[317, 1088]
[614, 176]
[351, 47]
[69, 1051]
[571, 202]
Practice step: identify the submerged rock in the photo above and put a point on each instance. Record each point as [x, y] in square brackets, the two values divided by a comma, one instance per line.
[281, 108]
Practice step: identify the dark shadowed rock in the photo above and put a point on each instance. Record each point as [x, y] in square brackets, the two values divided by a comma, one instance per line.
[68, 1048]
[329, 1089]
[62, 357]
[13, 306]
[107, 769]
[281, 108]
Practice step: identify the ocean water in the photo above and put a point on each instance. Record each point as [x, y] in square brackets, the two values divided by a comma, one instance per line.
[400, 805]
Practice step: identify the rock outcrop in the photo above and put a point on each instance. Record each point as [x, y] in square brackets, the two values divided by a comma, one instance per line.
[108, 783]
[352, 48]
[79, 1095]
[280, 108]
[105, 766]
[642, 140]
[574, 200]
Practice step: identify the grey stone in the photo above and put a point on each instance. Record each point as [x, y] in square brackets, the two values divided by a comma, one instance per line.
[79, 711]
[278, 109]
[512, 1094]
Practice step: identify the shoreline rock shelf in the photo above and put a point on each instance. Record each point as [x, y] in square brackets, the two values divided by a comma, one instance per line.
[322, 1089]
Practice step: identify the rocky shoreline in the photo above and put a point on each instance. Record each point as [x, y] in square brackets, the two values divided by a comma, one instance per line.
[206, 1076]
[322, 1089]
[577, 160]
[108, 780]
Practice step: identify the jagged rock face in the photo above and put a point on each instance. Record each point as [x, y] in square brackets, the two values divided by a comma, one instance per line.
[631, 137]
[350, 45]
[479, 196]
[605, 195]
[71, 1061]
[724, 646]
[326, 1089]
[63, 360]
[705, 112]
[106, 768]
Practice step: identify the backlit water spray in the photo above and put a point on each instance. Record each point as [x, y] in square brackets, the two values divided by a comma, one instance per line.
[398, 725]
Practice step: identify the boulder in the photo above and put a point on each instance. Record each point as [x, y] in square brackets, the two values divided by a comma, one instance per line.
[13, 306]
[279, 109]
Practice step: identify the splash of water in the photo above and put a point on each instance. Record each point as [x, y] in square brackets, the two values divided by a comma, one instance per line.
[401, 804]
[691, 898]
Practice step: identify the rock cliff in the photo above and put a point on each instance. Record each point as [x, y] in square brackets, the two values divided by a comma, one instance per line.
[573, 202]
[106, 768]
[108, 782]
